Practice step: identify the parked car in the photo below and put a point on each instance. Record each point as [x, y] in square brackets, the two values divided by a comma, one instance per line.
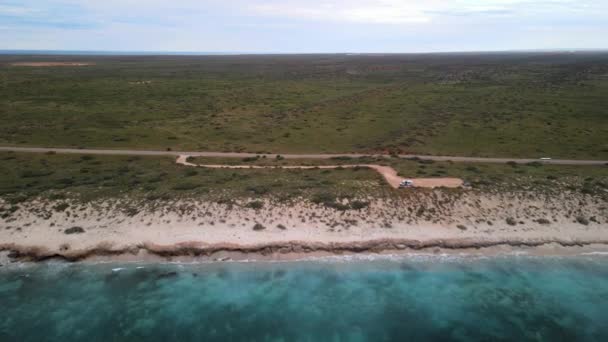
[406, 184]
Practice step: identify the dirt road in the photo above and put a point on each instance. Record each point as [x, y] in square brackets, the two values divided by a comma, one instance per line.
[389, 174]
[299, 156]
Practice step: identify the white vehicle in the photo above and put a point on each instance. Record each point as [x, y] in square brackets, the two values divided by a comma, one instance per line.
[545, 158]
[406, 184]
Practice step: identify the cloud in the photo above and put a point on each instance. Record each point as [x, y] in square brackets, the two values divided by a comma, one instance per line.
[378, 12]
[302, 25]
[408, 11]
[29, 14]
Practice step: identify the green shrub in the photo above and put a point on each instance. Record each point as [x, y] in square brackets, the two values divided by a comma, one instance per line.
[258, 227]
[511, 221]
[257, 205]
[535, 164]
[190, 173]
[57, 196]
[358, 205]
[35, 173]
[61, 207]
[185, 186]
[74, 230]
[323, 197]
[473, 169]
[130, 211]
[258, 189]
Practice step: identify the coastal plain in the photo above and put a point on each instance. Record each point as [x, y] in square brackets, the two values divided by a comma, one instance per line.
[521, 105]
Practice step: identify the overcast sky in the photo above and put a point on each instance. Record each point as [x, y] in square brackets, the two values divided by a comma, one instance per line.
[303, 25]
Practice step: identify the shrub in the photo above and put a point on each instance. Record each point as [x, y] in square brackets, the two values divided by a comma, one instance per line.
[337, 206]
[281, 227]
[472, 169]
[279, 157]
[65, 181]
[461, 227]
[257, 205]
[258, 189]
[56, 196]
[190, 173]
[511, 221]
[535, 164]
[61, 207]
[186, 186]
[420, 211]
[358, 205]
[35, 173]
[543, 221]
[131, 211]
[74, 230]
[323, 197]
[582, 220]
[258, 227]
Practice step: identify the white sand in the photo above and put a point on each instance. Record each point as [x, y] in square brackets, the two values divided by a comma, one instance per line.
[482, 220]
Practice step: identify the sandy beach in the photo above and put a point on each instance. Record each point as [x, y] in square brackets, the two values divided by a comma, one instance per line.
[426, 221]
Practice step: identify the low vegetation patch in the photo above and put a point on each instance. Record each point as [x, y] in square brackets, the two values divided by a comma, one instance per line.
[258, 227]
[257, 205]
[61, 207]
[543, 221]
[185, 186]
[74, 230]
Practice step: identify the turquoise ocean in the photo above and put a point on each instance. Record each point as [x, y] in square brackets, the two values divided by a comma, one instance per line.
[414, 298]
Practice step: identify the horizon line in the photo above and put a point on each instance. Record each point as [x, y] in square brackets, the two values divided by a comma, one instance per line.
[234, 53]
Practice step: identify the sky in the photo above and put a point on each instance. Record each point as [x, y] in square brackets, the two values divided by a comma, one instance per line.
[303, 26]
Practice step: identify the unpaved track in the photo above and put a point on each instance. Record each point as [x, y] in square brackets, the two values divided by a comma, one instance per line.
[389, 174]
[50, 64]
[299, 156]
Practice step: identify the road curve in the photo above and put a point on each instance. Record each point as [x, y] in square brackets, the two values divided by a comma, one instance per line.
[390, 175]
[298, 156]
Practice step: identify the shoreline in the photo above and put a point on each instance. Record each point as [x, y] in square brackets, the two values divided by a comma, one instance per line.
[293, 251]
[430, 222]
[437, 254]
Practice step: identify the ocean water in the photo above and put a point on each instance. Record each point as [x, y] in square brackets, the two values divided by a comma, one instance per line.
[387, 299]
